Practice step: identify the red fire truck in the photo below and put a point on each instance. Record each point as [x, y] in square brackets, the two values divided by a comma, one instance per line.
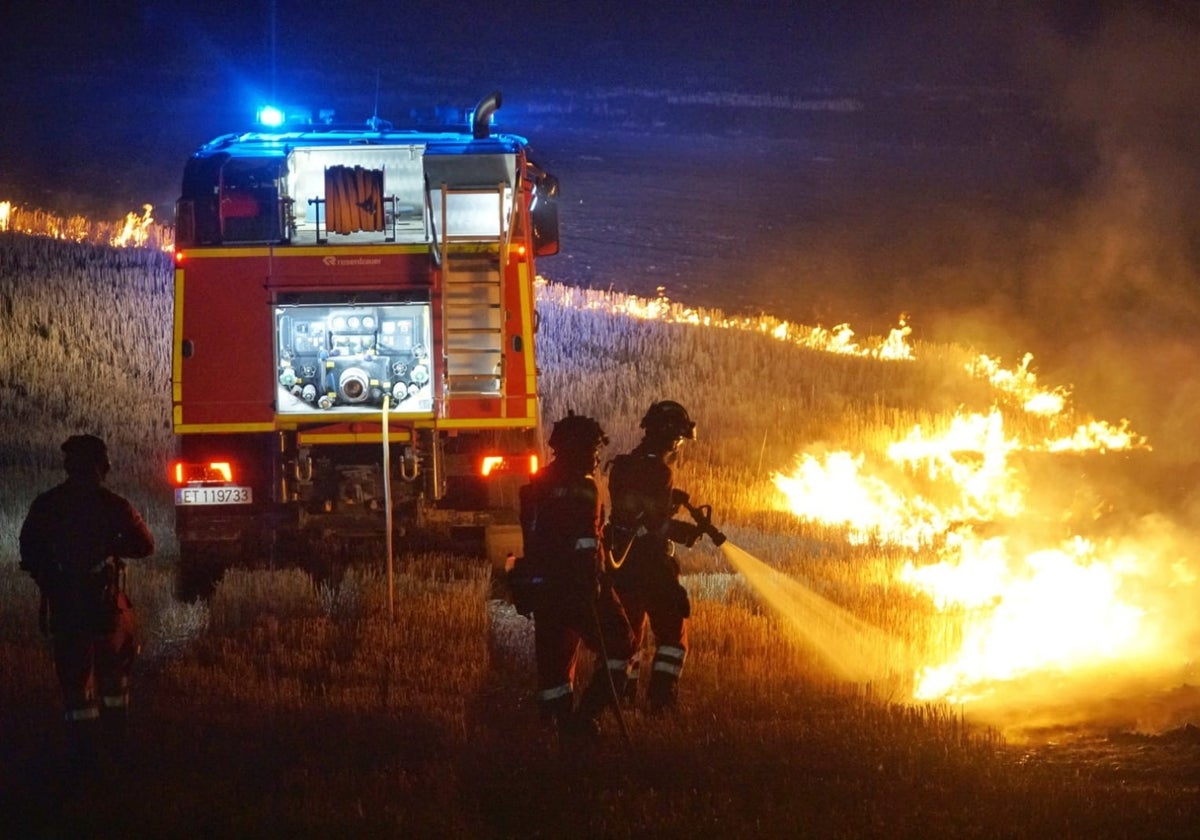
[354, 332]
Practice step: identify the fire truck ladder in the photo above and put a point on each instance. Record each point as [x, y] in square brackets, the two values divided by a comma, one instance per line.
[473, 297]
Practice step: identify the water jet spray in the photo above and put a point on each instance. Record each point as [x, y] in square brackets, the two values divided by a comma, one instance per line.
[852, 648]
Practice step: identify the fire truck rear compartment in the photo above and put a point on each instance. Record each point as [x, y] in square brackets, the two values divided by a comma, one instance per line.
[337, 285]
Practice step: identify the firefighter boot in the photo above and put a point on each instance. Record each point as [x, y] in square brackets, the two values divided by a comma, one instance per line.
[663, 691]
[599, 695]
[664, 677]
[557, 710]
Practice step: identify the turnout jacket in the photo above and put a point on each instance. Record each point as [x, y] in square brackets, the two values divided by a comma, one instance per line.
[71, 540]
[560, 523]
[640, 485]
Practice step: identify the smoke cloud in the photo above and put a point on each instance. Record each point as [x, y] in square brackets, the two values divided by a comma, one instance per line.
[1109, 286]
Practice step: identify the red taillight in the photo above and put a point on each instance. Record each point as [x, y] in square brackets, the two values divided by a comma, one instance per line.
[190, 472]
[179, 256]
[508, 465]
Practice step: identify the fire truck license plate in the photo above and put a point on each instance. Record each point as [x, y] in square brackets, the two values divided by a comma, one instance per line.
[213, 496]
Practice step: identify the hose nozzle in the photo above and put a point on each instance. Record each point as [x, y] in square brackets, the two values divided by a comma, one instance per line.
[702, 514]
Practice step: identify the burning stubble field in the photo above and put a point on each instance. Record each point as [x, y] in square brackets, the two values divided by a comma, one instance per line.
[952, 604]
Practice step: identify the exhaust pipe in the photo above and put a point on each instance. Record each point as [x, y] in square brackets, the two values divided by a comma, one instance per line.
[480, 119]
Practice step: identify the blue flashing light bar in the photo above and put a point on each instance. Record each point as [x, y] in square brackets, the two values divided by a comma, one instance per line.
[270, 116]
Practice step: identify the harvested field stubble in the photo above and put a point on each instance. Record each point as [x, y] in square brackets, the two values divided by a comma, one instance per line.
[286, 707]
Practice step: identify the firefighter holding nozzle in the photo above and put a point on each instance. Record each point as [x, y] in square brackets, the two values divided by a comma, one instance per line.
[641, 539]
[560, 581]
[72, 542]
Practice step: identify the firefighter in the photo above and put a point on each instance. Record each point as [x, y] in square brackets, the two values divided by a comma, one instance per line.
[72, 542]
[641, 553]
[560, 581]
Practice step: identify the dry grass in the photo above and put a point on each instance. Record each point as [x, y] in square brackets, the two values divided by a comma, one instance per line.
[287, 707]
[86, 347]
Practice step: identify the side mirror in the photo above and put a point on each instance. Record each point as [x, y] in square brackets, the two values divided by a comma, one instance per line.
[544, 213]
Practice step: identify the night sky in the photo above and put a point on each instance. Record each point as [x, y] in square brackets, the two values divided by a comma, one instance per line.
[139, 85]
[1012, 175]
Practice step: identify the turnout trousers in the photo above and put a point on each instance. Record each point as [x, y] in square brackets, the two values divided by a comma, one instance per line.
[663, 605]
[94, 676]
[560, 628]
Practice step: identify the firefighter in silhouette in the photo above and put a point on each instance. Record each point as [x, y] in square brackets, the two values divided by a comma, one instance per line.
[72, 542]
[560, 581]
[641, 551]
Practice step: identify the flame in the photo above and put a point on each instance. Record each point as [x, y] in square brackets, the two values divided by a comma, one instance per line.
[1098, 435]
[839, 340]
[929, 492]
[135, 231]
[1060, 608]
[973, 455]
[1021, 610]
[834, 491]
[967, 465]
[1020, 383]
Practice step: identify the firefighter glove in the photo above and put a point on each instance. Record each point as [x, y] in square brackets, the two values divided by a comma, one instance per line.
[682, 532]
[524, 586]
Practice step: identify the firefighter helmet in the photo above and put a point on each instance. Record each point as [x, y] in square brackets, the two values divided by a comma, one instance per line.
[669, 419]
[85, 454]
[577, 432]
